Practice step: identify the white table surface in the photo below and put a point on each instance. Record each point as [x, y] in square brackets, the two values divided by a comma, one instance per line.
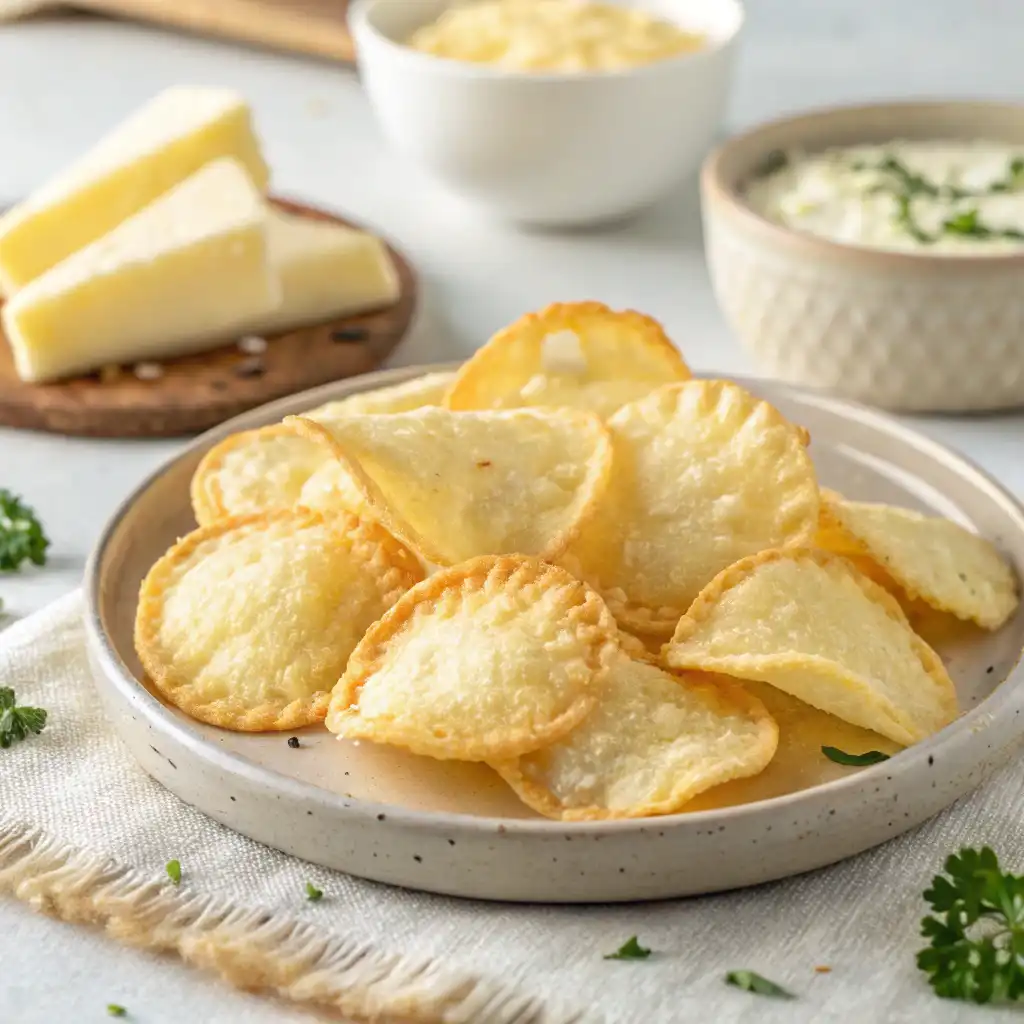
[64, 81]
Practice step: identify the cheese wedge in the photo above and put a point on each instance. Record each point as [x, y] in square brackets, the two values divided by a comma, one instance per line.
[325, 270]
[188, 269]
[166, 141]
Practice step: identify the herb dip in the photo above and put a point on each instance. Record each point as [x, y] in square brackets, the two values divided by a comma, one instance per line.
[944, 197]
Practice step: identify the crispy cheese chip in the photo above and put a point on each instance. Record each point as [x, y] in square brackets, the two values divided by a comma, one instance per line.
[254, 471]
[582, 355]
[331, 489]
[703, 474]
[248, 623]
[653, 742]
[457, 485]
[798, 762]
[487, 660]
[412, 394]
[932, 559]
[811, 625]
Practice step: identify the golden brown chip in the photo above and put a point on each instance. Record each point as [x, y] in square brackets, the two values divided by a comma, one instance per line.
[331, 489]
[487, 660]
[654, 741]
[578, 354]
[811, 625]
[703, 474]
[798, 762]
[411, 394]
[457, 485]
[932, 559]
[254, 471]
[248, 623]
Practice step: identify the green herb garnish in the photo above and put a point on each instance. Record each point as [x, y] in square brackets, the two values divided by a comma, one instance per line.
[18, 723]
[976, 939]
[774, 162]
[751, 981]
[904, 185]
[113, 1010]
[911, 184]
[629, 950]
[174, 871]
[966, 223]
[21, 534]
[313, 894]
[856, 760]
[905, 218]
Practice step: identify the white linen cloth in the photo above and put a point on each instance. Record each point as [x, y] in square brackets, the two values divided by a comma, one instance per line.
[85, 834]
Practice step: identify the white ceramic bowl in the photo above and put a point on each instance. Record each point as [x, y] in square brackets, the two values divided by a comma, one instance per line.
[548, 149]
[906, 331]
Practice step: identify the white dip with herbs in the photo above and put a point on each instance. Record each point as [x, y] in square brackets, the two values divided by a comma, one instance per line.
[958, 198]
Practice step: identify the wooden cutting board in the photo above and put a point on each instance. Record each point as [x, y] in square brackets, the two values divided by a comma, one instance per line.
[199, 391]
[314, 27]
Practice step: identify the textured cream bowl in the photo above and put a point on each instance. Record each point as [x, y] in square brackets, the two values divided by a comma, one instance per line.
[905, 331]
[548, 149]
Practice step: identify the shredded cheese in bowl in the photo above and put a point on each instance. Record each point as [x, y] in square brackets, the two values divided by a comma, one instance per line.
[553, 36]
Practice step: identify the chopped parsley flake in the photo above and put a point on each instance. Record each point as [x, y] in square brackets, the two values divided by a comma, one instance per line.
[630, 950]
[751, 981]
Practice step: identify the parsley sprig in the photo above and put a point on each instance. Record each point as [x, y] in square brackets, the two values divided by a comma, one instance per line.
[18, 723]
[21, 534]
[976, 938]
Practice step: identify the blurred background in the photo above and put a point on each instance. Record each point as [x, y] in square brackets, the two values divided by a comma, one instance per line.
[66, 79]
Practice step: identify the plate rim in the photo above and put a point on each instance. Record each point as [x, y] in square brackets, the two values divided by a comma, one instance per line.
[1006, 699]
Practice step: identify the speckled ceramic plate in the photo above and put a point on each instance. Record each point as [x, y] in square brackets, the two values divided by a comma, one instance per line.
[455, 828]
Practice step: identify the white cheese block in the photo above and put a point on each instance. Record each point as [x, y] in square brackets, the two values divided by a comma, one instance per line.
[170, 138]
[325, 270]
[187, 270]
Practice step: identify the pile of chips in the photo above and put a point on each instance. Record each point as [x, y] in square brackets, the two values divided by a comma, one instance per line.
[566, 561]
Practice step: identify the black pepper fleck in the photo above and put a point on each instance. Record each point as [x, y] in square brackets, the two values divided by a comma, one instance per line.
[349, 334]
[250, 368]
[931, 759]
[990, 670]
[451, 842]
[417, 858]
[381, 817]
[293, 742]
